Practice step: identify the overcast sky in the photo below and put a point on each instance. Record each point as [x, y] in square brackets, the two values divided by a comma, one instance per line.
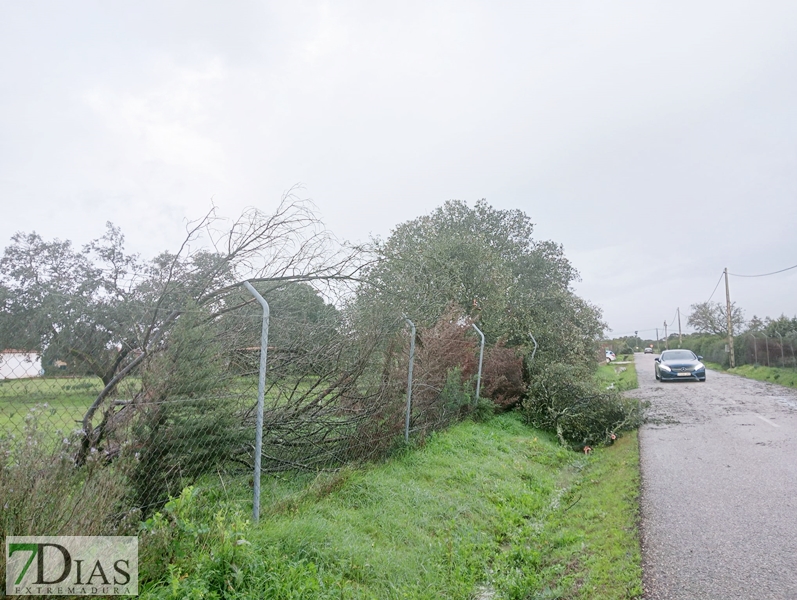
[657, 141]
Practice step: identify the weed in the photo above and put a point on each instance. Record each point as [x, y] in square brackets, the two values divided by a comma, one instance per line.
[42, 492]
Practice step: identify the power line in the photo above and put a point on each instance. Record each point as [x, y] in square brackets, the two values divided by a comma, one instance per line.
[715, 287]
[765, 274]
[628, 333]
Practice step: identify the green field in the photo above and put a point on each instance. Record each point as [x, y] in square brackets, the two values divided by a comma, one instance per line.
[59, 402]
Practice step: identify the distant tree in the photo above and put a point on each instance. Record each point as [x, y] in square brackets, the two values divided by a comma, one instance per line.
[782, 325]
[78, 306]
[755, 324]
[711, 318]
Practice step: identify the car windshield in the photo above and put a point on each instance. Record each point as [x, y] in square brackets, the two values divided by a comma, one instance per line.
[678, 355]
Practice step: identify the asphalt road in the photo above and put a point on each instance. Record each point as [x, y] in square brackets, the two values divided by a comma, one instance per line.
[719, 488]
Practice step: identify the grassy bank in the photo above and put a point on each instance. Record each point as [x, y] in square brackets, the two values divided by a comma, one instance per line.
[785, 377]
[491, 510]
[620, 377]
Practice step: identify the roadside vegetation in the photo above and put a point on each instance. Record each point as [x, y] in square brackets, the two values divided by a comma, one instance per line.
[149, 426]
[781, 376]
[493, 509]
[619, 377]
[768, 341]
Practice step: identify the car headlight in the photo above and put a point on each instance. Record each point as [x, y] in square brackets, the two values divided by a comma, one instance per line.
[699, 367]
[664, 367]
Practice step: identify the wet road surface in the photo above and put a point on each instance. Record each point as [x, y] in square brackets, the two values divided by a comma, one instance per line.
[719, 488]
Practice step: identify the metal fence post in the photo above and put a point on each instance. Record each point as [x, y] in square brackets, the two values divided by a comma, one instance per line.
[793, 357]
[261, 391]
[533, 352]
[409, 382]
[782, 356]
[766, 344]
[481, 357]
[755, 347]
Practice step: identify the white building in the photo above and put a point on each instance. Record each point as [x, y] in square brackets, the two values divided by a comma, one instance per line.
[19, 364]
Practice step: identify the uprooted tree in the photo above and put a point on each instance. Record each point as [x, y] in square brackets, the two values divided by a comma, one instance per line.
[109, 313]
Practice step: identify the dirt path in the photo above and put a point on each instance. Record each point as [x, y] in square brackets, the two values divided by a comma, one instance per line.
[719, 488]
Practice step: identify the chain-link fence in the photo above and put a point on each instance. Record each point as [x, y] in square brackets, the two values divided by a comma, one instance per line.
[75, 439]
[771, 351]
[751, 348]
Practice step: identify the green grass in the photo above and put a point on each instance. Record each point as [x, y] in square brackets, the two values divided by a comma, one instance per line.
[60, 402]
[622, 377]
[481, 508]
[779, 375]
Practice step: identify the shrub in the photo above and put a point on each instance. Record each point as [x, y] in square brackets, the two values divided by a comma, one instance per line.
[484, 411]
[42, 492]
[446, 358]
[502, 376]
[186, 422]
[564, 399]
[457, 393]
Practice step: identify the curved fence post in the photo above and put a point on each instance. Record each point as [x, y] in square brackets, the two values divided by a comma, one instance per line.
[782, 356]
[409, 381]
[793, 357]
[481, 357]
[261, 391]
[755, 346]
[766, 344]
[533, 352]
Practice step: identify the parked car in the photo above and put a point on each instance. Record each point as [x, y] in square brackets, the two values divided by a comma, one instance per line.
[648, 350]
[675, 365]
[610, 356]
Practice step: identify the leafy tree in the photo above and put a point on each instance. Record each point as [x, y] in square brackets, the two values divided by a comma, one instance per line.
[186, 422]
[711, 318]
[782, 325]
[486, 261]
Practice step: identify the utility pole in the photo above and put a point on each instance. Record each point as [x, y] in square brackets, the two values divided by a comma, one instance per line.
[730, 321]
[666, 339]
[657, 339]
[680, 338]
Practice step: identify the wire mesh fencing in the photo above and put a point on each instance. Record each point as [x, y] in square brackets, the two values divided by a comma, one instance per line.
[128, 427]
[750, 348]
[768, 350]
